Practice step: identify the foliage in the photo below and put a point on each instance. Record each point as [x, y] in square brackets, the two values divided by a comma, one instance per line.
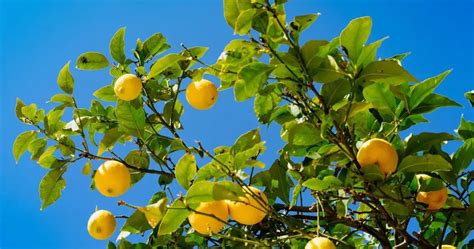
[327, 96]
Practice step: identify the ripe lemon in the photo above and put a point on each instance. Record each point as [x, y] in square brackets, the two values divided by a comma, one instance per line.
[201, 94]
[380, 152]
[249, 210]
[434, 199]
[448, 247]
[101, 224]
[112, 178]
[128, 87]
[206, 224]
[320, 243]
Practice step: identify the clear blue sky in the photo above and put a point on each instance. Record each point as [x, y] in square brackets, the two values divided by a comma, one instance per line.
[39, 37]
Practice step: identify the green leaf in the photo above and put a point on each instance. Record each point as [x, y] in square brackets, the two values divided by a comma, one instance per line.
[139, 159]
[432, 102]
[200, 192]
[246, 141]
[300, 134]
[380, 96]
[470, 96]
[252, 77]
[266, 102]
[186, 170]
[163, 63]
[63, 99]
[226, 190]
[466, 129]
[314, 52]
[296, 192]
[65, 79]
[303, 22]
[48, 161]
[131, 117]
[372, 173]
[174, 217]
[111, 136]
[368, 53]
[21, 143]
[328, 71]
[429, 183]
[276, 181]
[425, 140]
[51, 186]
[37, 148]
[464, 155]
[154, 45]
[136, 223]
[423, 89]
[328, 182]
[425, 163]
[91, 61]
[117, 46]
[389, 72]
[87, 169]
[355, 35]
[243, 23]
[18, 107]
[231, 12]
[106, 93]
[335, 91]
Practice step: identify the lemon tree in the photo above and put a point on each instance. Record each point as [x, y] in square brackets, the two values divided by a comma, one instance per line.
[346, 177]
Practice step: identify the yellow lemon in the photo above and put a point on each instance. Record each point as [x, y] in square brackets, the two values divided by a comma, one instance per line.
[128, 87]
[201, 94]
[320, 243]
[112, 178]
[380, 152]
[249, 210]
[101, 224]
[206, 224]
[434, 199]
[448, 247]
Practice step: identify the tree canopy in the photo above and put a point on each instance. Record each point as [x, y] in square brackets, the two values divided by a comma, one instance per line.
[332, 99]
